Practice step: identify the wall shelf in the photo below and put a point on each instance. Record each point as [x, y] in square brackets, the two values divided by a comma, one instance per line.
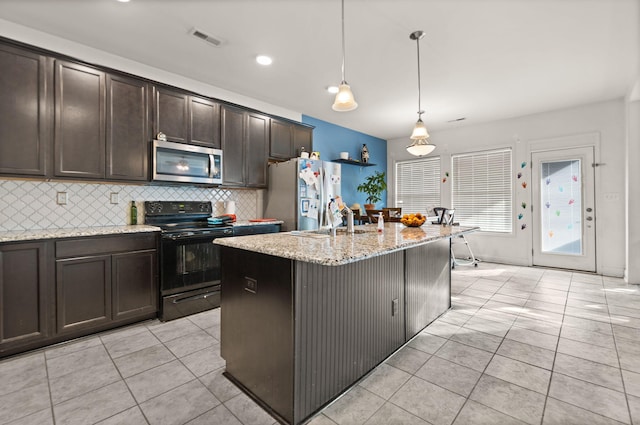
[353, 162]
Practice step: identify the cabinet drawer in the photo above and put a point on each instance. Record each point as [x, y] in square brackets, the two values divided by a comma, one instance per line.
[104, 244]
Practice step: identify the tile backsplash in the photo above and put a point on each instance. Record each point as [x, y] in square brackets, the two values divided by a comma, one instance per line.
[28, 205]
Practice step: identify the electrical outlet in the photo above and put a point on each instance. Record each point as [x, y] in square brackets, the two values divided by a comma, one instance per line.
[114, 198]
[61, 198]
[250, 285]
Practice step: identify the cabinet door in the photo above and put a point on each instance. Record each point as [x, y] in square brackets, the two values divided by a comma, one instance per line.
[171, 114]
[79, 137]
[302, 137]
[24, 294]
[83, 287]
[204, 119]
[257, 150]
[127, 135]
[23, 112]
[281, 140]
[232, 139]
[135, 284]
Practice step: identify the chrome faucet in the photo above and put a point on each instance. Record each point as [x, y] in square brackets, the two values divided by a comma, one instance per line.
[346, 211]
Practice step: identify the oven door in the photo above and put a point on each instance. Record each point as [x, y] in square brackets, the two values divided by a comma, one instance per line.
[189, 263]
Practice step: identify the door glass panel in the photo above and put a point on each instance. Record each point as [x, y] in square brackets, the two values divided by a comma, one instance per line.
[561, 211]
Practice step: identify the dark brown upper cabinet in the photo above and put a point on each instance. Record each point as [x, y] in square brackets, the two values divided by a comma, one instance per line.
[204, 122]
[281, 142]
[288, 138]
[24, 112]
[79, 136]
[302, 138]
[186, 119]
[257, 150]
[245, 141]
[127, 129]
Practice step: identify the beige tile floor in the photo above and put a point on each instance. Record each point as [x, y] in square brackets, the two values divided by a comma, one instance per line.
[520, 346]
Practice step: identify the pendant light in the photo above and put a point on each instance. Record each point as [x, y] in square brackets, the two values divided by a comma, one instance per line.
[420, 145]
[344, 98]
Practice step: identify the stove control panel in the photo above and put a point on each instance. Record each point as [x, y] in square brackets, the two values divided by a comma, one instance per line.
[164, 208]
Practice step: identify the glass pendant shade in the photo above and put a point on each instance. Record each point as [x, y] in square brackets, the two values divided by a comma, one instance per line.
[419, 131]
[344, 99]
[420, 147]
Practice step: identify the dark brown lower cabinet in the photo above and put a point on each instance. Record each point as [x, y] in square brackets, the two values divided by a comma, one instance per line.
[134, 284]
[83, 292]
[66, 288]
[25, 297]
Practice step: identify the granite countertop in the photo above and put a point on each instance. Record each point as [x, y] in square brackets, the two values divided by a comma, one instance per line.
[38, 234]
[342, 249]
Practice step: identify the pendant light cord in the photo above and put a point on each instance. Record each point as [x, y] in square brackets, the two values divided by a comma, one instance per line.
[419, 89]
[343, 49]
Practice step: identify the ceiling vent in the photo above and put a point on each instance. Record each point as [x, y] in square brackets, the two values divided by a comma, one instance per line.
[206, 37]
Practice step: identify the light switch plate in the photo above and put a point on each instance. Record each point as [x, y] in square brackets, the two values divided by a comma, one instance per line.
[61, 198]
[114, 198]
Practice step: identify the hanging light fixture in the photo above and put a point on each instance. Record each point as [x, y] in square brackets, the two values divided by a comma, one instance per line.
[344, 98]
[420, 145]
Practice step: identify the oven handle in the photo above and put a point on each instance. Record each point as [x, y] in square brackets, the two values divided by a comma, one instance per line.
[226, 234]
[193, 297]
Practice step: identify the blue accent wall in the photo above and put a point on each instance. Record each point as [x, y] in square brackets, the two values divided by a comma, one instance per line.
[330, 139]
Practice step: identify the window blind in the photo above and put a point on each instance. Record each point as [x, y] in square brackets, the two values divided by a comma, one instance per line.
[481, 190]
[418, 185]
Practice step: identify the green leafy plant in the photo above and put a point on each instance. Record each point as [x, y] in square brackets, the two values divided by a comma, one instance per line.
[373, 186]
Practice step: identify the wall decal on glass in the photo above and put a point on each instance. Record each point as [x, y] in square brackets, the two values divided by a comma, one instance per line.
[569, 226]
[446, 173]
[524, 226]
[550, 233]
[574, 178]
[548, 181]
[558, 213]
[519, 175]
[547, 204]
[520, 216]
[524, 185]
[571, 201]
[524, 205]
[444, 180]
[524, 164]
[560, 189]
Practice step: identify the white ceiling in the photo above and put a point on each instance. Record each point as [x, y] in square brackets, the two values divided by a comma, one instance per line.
[481, 59]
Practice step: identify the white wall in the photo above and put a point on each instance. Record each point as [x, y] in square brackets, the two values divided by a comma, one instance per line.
[604, 122]
[632, 169]
[98, 57]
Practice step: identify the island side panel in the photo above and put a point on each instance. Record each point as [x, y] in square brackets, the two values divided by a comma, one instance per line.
[428, 287]
[257, 326]
[345, 325]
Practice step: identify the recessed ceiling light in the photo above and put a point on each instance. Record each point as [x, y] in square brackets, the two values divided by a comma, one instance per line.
[264, 60]
[123, 1]
[333, 89]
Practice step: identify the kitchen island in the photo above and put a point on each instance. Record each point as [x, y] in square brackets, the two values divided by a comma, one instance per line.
[305, 315]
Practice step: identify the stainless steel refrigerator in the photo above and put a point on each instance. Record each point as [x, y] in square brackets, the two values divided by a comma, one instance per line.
[300, 191]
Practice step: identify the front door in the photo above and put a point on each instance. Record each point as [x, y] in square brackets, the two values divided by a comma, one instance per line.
[564, 225]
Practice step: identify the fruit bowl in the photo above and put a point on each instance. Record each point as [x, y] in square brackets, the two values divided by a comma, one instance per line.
[413, 220]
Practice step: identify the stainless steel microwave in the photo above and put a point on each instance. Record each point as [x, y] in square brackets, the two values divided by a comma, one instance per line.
[178, 162]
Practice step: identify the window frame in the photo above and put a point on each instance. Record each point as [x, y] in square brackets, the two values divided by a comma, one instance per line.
[437, 184]
[509, 217]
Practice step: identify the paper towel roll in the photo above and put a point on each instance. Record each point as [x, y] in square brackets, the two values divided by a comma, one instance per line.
[230, 207]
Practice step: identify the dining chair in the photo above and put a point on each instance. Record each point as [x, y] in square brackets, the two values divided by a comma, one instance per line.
[373, 215]
[392, 212]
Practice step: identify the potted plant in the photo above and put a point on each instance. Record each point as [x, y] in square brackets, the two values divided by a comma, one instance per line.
[373, 186]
